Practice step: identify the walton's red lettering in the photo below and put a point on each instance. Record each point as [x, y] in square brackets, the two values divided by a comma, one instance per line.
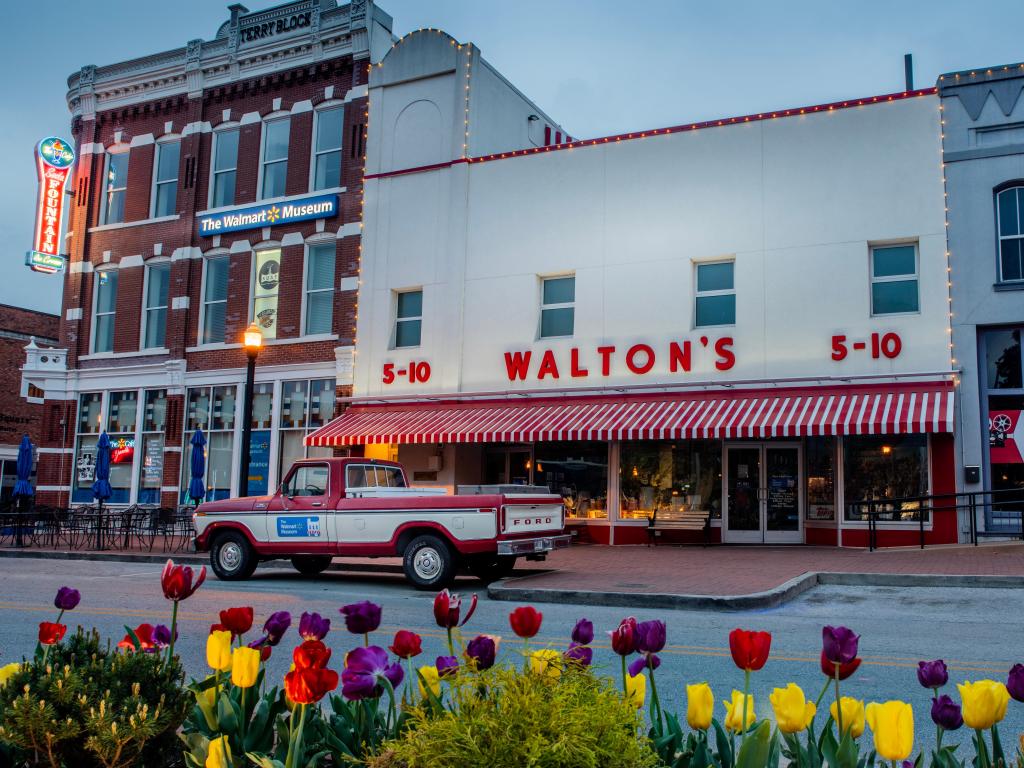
[726, 357]
[631, 354]
[518, 365]
[548, 366]
[574, 364]
[606, 359]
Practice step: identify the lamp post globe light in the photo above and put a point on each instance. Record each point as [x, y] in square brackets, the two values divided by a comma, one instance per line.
[252, 340]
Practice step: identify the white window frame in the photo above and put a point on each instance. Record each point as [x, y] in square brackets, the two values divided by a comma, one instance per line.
[560, 305]
[314, 154]
[201, 331]
[146, 309]
[117, 150]
[306, 290]
[697, 293]
[901, 278]
[95, 314]
[220, 129]
[397, 319]
[155, 183]
[272, 118]
[1017, 188]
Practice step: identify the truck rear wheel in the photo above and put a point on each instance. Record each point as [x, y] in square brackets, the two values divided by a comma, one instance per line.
[231, 557]
[492, 567]
[428, 562]
[311, 565]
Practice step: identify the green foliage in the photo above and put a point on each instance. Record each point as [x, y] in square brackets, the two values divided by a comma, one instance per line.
[503, 718]
[87, 706]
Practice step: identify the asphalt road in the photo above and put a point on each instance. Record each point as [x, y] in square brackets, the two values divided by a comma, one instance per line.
[978, 632]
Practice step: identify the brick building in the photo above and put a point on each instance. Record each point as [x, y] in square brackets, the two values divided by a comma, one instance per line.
[217, 184]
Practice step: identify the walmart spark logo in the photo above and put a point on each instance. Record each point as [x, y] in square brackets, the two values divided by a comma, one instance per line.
[273, 214]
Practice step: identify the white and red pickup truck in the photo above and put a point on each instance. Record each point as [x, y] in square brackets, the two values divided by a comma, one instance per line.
[354, 507]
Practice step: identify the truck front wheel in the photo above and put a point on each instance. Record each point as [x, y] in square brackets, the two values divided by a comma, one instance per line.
[311, 565]
[428, 562]
[231, 557]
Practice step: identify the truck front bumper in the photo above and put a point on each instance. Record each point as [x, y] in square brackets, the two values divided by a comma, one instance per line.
[539, 545]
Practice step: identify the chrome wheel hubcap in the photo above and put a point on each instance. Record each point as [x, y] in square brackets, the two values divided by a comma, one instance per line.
[427, 563]
[230, 556]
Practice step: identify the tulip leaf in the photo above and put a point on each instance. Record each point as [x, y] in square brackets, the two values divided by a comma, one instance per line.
[997, 747]
[724, 744]
[136, 643]
[847, 754]
[227, 717]
[755, 750]
[264, 761]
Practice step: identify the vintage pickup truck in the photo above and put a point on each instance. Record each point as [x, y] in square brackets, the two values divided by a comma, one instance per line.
[354, 507]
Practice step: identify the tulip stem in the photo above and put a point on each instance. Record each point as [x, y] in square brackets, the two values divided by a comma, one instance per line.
[824, 690]
[625, 688]
[839, 705]
[174, 631]
[938, 738]
[451, 647]
[746, 700]
[983, 761]
[655, 701]
[366, 639]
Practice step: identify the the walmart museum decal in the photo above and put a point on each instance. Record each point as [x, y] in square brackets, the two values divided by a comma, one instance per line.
[269, 214]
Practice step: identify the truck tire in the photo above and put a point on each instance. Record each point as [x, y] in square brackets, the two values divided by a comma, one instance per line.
[231, 557]
[311, 565]
[491, 567]
[428, 562]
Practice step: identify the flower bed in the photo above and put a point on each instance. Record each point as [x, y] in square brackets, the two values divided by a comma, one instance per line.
[80, 702]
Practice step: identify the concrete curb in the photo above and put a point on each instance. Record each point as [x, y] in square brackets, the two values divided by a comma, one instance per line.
[508, 590]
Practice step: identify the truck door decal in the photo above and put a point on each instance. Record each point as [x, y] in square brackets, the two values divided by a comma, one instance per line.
[298, 527]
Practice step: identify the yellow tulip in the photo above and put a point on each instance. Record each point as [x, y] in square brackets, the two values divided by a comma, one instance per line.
[219, 753]
[984, 703]
[892, 724]
[636, 689]
[793, 712]
[218, 650]
[700, 706]
[545, 662]
[734, 712]
[433, 680]
[8, 671]
[853, 716]
[245, 665]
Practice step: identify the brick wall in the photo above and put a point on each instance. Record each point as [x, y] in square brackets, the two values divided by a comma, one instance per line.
[17, 416]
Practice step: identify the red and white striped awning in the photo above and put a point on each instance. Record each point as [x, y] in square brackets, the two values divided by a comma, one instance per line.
[757, 414]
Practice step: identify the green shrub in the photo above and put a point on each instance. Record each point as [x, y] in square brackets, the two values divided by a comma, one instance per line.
[505, 718]
[89, 706]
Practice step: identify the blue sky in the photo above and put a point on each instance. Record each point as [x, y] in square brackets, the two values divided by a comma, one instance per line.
[597, 66]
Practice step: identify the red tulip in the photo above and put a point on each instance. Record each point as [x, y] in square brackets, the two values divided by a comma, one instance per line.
[50, 633]
[176, 581]
[749, 649]
[525, 620]
[312, 654]
[309, 685]
[447, 607]
[237, 621]
[407, 644]
[624, 637]
[845, 670]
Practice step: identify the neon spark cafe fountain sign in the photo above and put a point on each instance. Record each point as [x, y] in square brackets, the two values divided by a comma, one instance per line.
[54, 158]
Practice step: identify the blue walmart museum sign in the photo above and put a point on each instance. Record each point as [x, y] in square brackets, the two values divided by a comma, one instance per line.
[269, 214]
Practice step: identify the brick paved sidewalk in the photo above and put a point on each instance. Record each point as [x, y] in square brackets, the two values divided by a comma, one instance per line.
[742, 570]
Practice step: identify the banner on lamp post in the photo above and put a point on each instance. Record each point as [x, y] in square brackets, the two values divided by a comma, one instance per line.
[54, 158]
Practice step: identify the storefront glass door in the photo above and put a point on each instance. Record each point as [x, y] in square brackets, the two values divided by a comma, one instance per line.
[763, 493]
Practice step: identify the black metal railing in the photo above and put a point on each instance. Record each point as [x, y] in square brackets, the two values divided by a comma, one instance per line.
[1006, 505]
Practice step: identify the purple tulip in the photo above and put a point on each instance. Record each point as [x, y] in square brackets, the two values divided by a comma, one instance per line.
[482, 651]
[67, 599]
[1015, 682]
[581, 654]
[839, 644]
[365, 671]
[276, 626]
[946, 713]
[647, 661]
[650, 636]
[361, 618]
[932, 674]
[313, 626]
[446, 665]
[162, 636]
[583, 632]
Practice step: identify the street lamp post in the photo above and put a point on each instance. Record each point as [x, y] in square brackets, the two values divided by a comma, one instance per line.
[252, 341]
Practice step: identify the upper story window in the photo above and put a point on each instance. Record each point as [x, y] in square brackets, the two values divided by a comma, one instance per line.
[275, 157]
[115, 187]
[154, 320]
[894, 280]
[319, 288]
[225, 167]
[715, 297]
[327, 148]
[1010, 210]
[557, 306]
[104, 310]
[408, 318]
[215, 300]
[165, 181]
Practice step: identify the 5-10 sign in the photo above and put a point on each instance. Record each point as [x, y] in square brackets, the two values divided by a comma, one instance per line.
[414, 371]
[888, 345]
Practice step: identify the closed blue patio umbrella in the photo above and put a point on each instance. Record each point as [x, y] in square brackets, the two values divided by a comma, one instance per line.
[101, 489]
[196, 486]
[22, 487]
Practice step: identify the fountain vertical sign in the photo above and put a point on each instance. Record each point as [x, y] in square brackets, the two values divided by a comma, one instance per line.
[54, 158]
